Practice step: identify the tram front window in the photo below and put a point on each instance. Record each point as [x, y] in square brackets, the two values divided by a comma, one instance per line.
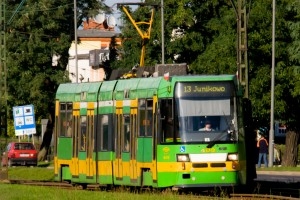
[206, 120]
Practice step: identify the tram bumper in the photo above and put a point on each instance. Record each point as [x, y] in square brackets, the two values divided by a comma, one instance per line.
[206, 179]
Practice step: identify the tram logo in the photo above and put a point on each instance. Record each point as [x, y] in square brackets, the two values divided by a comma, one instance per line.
[166, 151]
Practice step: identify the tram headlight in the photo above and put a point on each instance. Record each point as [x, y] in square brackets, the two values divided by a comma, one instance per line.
[233, 157]
[183, 158]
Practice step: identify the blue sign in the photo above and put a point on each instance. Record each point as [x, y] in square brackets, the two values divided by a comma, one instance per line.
[24, 120]
[182, 149]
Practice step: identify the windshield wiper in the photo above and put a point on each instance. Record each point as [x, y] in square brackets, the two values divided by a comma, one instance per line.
[228, 135]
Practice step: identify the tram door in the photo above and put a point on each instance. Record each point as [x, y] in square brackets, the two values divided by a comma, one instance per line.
[132, 140]
[145, 129]
[86, 141]
[146, 140]
[90, 143]
[125, 145]
[118, 162]
[75, 142]
[123, 164]
[82, 147]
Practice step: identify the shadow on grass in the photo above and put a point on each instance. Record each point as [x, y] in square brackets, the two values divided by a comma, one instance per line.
[45, 164]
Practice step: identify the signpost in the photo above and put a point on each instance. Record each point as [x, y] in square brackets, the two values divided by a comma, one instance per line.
[24, 121]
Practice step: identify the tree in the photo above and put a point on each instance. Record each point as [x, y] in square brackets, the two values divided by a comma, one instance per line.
[286, 103]
[40, 30]
[293, 134]
[203, 34]
[200, 30]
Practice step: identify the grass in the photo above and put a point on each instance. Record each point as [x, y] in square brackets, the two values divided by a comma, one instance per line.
[31, 173]
[24, 192]
[43, 172]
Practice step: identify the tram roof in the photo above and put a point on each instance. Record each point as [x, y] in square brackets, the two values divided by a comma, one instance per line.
[128, 88]
[107, 90]
[137, 88]
[87, 91]
[66, 92]
[78, 91]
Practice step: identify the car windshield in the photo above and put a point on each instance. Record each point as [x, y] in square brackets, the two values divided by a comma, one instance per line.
[23, 146]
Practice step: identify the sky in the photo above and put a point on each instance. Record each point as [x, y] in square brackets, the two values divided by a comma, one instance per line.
[112, 2]
[116, 11]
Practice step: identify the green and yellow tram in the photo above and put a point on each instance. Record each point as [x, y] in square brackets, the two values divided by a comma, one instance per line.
[147, 132]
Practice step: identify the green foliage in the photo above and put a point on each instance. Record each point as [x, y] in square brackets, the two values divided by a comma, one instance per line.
[260, 52]
[39, 30]
[209, 45]
[10, 128]
[293, 47]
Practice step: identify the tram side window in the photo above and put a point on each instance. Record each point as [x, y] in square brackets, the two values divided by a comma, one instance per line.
[104, 131]
[145, 117]
[82, 138]
[66, 118]
[149, 118]
[126, 133]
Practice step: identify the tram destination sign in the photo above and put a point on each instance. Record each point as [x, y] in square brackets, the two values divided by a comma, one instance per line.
[204, 89]
[24, 120]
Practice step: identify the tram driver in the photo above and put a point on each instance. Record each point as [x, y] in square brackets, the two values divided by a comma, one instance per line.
[207, 127]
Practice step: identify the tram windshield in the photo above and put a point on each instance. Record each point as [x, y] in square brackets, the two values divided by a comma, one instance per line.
[206, 120]
[205, 115]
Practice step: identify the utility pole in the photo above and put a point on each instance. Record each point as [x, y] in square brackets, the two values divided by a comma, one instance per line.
[271, 133]
[3, 71]
[75, 35]
[242, 46]
[242, 56]
[162, 33]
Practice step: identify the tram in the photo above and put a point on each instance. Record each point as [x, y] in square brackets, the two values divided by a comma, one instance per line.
[147, 132]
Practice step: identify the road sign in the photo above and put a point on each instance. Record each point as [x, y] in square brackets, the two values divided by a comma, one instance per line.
[24, 120]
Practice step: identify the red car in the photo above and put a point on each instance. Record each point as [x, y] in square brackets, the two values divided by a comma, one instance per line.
[19, 153]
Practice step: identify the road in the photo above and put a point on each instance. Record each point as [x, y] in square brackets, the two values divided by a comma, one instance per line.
[279, 176]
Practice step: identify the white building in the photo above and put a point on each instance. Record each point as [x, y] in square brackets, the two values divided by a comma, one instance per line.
[93, 36]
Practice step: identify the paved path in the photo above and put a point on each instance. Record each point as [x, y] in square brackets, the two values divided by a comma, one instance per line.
[278, 173]
[279, 176]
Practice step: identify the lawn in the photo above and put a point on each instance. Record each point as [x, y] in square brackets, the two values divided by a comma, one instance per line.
[24, 192]
[31, 173]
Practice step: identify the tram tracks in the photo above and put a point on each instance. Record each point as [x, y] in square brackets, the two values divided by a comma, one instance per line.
[40, 183]
[65, 185]
[259, 196]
